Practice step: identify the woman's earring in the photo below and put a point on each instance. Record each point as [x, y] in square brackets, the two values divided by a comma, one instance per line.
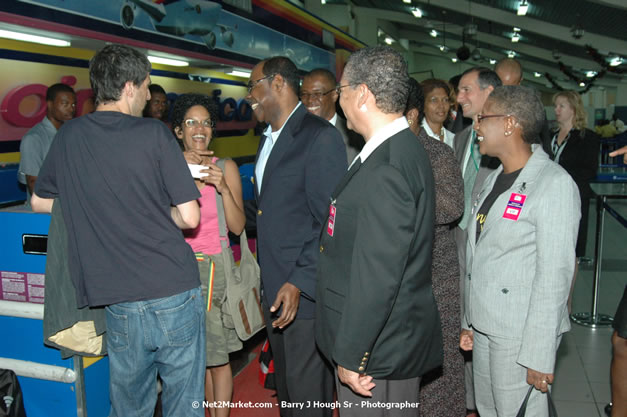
[508, 133]
[410, 122]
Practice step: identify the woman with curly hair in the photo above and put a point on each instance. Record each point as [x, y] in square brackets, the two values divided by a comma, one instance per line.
[193, 121]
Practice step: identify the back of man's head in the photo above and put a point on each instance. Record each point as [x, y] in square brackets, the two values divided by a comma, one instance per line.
[485, 77]
[384, 71]
[283, 66]
[112, 67]
[55, 89]
[509, 71]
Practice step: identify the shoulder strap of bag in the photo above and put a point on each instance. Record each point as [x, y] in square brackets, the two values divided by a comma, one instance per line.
[222, 219]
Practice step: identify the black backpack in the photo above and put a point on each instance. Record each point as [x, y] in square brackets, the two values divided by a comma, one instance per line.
[11, 402]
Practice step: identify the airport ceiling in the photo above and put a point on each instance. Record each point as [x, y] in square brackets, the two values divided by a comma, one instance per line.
[582, 35]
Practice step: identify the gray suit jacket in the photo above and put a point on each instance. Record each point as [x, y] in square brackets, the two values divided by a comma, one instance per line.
[521, 270]
[352, 141]
[487, 165]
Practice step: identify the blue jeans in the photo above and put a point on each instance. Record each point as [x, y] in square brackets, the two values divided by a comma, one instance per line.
[164, 336]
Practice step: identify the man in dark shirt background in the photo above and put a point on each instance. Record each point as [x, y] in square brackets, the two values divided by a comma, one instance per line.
[126, 193]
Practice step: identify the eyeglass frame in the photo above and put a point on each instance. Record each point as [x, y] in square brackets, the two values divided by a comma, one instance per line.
[480, 116]
[203, 123]
[252, 84]
[318, 95]
[339, 87]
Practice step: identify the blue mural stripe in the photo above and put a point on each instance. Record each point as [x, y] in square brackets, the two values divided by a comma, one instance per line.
[82, 63]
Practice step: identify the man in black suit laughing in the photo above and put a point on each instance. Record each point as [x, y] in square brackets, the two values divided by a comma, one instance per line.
[376, 317]
[300, 160]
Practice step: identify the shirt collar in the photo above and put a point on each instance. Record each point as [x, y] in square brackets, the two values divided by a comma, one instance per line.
[333, 120]
[382, 135]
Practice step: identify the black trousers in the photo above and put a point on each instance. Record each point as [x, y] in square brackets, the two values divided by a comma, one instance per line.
[302, 375]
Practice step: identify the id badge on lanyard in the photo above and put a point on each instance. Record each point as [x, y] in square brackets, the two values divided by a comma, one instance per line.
[331, 222]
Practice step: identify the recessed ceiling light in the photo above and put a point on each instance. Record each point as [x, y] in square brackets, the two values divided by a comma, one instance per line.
[492, 61]
[515, 37]
[523, 7]
[443, 48]
[516, 29]
[433, 33]
[416, 12]
[389, 40]
[167, 61]
[454, 59]
[323, 1]
[511, 54]
[591, 74]
[407, 1]
[616, 61]
[240, 73]
[582, 84]
[537, 74]
[44, 40]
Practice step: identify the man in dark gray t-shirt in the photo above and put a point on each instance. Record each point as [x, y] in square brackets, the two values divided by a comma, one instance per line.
[126, 193]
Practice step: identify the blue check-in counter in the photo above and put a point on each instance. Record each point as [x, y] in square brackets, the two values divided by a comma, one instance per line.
[51, 386]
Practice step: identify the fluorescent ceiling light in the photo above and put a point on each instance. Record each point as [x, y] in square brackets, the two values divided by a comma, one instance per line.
[492, 61]
[616, 61]
[167, 61]
[433, 33]
[582, 84]
[240, 73]
[516, 29]
[44, 40]
[416, 12]
[591, 74]
[454, 59]
[407, 1]
[323, 1]
[522, 8]
[515, 37]
[537, 74]
[443, 48]
[511, 54]
[389, 40]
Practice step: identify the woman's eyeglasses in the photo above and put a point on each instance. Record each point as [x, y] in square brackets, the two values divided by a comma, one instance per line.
[191, 123]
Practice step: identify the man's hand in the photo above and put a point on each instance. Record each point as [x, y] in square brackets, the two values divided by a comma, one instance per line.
[539, 380]
[466, 339]
[360, 383]
[289, 296]
[621, 151]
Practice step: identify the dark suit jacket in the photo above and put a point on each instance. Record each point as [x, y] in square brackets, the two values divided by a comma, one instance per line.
[580, 158]
[306, 163]
[375, 309]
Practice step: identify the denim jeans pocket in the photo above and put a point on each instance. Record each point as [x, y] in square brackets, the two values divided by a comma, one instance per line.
[182, 323]
[117, 331]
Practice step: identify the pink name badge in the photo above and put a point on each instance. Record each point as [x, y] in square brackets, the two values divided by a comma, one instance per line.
[514, 206]
[331, 223]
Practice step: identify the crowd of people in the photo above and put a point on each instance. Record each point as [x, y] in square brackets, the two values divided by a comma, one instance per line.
[402, 263]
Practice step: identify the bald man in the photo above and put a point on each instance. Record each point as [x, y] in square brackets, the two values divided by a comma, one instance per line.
[509, 71]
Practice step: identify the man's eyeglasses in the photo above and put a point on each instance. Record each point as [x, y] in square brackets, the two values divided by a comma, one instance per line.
[480, 117]
[316, 95]
[253, 84]
[191, 123]
[339, 87]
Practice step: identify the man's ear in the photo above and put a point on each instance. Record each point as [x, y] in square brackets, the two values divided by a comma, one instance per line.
[280, 82]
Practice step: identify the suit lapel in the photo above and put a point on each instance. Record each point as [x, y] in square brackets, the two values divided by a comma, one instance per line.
[354, 168]
[262, 141]
[283, 143]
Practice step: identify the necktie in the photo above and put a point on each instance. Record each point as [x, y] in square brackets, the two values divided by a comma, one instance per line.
[470, 174]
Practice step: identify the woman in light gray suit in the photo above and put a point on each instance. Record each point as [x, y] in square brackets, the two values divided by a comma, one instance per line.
[521, 244]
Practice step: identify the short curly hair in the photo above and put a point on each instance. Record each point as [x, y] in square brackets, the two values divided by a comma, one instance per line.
[524, 104]
[185, 101]
[415, 98]
[384, 71]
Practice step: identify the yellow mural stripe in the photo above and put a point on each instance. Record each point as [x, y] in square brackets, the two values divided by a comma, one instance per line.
[10, 158]
[88, 361]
